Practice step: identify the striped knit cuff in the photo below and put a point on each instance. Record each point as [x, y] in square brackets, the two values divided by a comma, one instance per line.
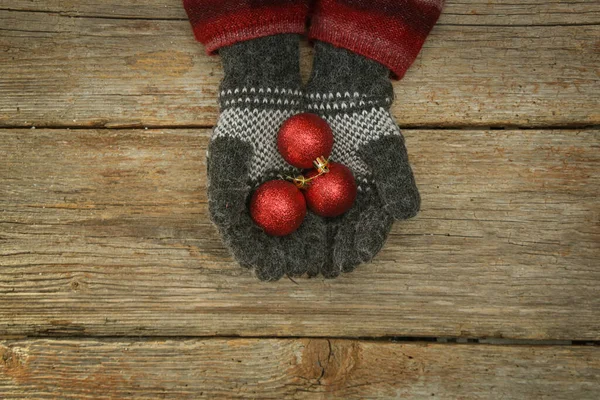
[387, 31]
[221, 23]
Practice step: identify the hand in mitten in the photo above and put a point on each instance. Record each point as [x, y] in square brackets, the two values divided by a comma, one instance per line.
[354, 95]
[260, 91]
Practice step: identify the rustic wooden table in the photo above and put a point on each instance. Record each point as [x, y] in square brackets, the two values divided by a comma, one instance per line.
[114, 284]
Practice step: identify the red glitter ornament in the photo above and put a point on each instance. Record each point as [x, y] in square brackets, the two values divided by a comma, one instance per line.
[278, 207]
[331, 194]
[303, 138]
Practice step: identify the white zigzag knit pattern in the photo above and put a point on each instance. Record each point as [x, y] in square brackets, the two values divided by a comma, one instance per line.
[258, 127]
[354, 130]
[335, 102]
[245, 96]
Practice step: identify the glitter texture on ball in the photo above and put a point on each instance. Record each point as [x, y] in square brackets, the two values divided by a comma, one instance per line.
[331, 194]
[303, 138]
[278, 207]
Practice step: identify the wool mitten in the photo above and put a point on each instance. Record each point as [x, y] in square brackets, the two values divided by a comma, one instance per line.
[261, 89]
[354, 94]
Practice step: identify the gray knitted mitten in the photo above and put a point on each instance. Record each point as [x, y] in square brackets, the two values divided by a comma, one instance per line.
[354, 95]
[261, 89]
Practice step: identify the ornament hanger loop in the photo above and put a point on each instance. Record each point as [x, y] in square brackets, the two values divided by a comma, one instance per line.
[321, 164]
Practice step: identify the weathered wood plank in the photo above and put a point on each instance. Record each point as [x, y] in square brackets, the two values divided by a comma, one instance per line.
[63, 71]
[293, 369]
[106, 233]
[465, 12]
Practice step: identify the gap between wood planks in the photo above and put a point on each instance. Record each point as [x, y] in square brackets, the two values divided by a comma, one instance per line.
[74, 15]
[393, 339]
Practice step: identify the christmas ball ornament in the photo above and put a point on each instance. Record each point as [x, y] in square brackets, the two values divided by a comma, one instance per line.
[330, 194]
[303, 138]
[278, 207]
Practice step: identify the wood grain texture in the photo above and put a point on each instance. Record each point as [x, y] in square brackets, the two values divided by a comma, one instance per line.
[106, 233]
[293, 369]
[459, 12]
[59, 71]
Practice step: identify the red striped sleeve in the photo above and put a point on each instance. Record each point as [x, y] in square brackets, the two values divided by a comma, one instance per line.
[391, 32]
[218, 23]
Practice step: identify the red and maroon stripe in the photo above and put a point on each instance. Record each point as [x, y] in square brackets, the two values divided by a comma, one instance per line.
[218, 23]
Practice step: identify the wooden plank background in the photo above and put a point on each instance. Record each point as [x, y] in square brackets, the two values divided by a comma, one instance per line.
[294, 369]
[114, 284]
[99, 70]
[507, 243]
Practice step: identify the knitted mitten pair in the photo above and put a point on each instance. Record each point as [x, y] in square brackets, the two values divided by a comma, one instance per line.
[262, 88]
